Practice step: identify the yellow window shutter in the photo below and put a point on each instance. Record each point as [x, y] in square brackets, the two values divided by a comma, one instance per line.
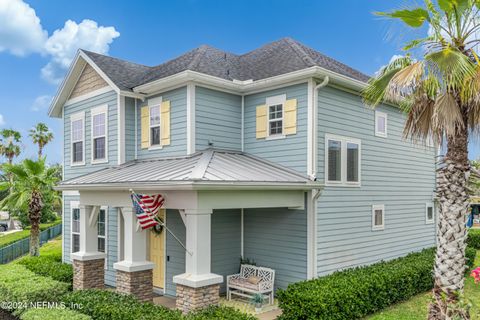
[290, 121]
[165, 123]
[145, 126]
[261, 121]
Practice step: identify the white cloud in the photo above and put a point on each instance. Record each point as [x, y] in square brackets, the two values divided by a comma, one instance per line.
[20, 29]
[21, 32]
[41, 103]
[64, 43]
[2, 120]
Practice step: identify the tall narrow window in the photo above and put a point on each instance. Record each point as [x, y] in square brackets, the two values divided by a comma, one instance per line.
[429, 213]
[155, 125]
[352, 162]
[101, 227]
[342, 161]
[378, 217]
[78, 139]
[334, 160]
[275, 119]
[75, 229]
[99, 134]
[380, 124]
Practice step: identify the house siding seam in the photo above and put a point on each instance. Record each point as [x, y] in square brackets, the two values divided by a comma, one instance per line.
[178, 129]
[217, 119]
[109, 98]
[290, 151]
[394, 172]
[129, 129]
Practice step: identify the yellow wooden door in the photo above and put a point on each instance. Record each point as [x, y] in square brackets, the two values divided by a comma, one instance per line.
[157, 254]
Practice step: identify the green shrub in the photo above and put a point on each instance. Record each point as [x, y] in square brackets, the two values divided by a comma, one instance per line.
[470, 254]
[224, 313]
[53, 314]
[355, 293]
[21, 286]
[108, 305]
[473, 239]
[49, 266]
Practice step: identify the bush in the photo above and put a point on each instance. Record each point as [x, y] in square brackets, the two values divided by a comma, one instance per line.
[473, 239]
[108, 305]
[355, 293]
[224, 313]
[470, 254]
[56, 314]
[49, 266]
[21, 286]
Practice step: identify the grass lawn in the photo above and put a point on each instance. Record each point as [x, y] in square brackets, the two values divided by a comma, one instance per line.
[10, 238]
[416, 308]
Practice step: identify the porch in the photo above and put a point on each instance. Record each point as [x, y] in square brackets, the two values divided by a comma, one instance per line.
[220, 206]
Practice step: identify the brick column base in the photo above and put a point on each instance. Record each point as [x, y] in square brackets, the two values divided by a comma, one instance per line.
[137, 283]
[89, 274]
[189, 299]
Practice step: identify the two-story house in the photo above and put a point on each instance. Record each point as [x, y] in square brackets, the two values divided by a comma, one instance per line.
[269, 156]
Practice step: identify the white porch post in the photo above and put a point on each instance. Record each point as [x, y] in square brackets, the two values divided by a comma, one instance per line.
[88, 263]
[197, 287]
[134, 272]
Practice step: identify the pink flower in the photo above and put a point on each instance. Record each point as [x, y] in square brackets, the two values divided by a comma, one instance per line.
[476, 275]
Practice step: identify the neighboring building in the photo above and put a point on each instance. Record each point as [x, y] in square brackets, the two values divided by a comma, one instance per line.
[270, 155]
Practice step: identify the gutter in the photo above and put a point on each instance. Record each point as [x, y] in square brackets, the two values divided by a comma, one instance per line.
[323, 84]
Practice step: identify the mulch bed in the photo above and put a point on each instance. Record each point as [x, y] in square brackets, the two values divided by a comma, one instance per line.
[5, 315]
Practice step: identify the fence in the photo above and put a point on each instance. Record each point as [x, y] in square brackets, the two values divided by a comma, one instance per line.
[21, 247]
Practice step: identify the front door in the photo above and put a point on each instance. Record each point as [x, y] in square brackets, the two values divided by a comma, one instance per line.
[157, 254]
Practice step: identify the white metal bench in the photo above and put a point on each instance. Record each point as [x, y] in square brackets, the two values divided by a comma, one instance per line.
[238, 283]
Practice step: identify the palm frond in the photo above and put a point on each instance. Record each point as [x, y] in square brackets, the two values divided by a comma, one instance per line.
[413, 18]
[447, 116]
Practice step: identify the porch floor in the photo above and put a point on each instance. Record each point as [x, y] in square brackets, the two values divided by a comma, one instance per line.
[268, 312]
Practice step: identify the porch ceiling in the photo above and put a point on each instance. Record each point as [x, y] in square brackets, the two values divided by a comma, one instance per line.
[208, 169]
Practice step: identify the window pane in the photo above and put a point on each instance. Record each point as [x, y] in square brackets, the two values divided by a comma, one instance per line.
[378, 217]
[155, 136]
[99, 148]
[275, 112]
[276, 127]
[154, 115]
[101, 244]
[381, 124]
[101, 223]
[75, 242]
[99, 125]
[334, 160]
[430, 213]
[352, 162]
[77, 130]
[78, 151]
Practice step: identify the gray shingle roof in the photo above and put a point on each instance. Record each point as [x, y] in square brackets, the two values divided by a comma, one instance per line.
[209, 166]
[276, 58]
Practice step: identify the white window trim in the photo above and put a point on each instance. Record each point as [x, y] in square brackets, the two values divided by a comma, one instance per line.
[428, 205]
[106, 235]
[273, 101]
[374, 208]
[94, 112]
[343, 171]
[157, 103]
[379, 114]
[73, 118]
[73, 205]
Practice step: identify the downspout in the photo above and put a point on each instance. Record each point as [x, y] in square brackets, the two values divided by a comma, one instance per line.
[325, 81]
[243, 124]
[136, 130]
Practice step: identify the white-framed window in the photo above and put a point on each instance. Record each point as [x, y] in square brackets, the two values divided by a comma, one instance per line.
[77, 128]
[380, 124]
[378, 217]
[102, 230]
[75, 226]
[429, 213]
[342, 161]
[155, 125]
[275, 109]
[99, 134]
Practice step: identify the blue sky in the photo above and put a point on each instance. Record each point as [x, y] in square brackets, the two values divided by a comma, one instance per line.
[34, 53]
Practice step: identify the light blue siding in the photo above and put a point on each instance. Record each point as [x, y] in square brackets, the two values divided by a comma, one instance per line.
[175, 253]
[218, 119]
[112, 247]
[129, 129]
[394, 173]
[277, 239]
[291, 151]
[178, 125]
[109, 98]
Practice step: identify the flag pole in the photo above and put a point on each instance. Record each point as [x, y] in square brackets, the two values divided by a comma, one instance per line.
[138, 200]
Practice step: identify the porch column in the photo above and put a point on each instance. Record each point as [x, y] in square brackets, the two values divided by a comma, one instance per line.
[134, 273]
[88, 263]
[197, 288]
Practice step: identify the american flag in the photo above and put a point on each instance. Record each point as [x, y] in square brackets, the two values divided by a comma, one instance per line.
[146, 208]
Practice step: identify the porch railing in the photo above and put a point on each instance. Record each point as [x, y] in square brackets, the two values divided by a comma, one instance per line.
[22, 247]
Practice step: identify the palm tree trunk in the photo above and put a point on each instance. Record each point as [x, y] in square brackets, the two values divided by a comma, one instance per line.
[34, 215]
[452, 195]
[40, 151]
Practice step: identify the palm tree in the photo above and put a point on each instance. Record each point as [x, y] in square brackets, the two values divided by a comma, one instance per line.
[32, 183]
[41, 135]
[10, 144]
[437, 84]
